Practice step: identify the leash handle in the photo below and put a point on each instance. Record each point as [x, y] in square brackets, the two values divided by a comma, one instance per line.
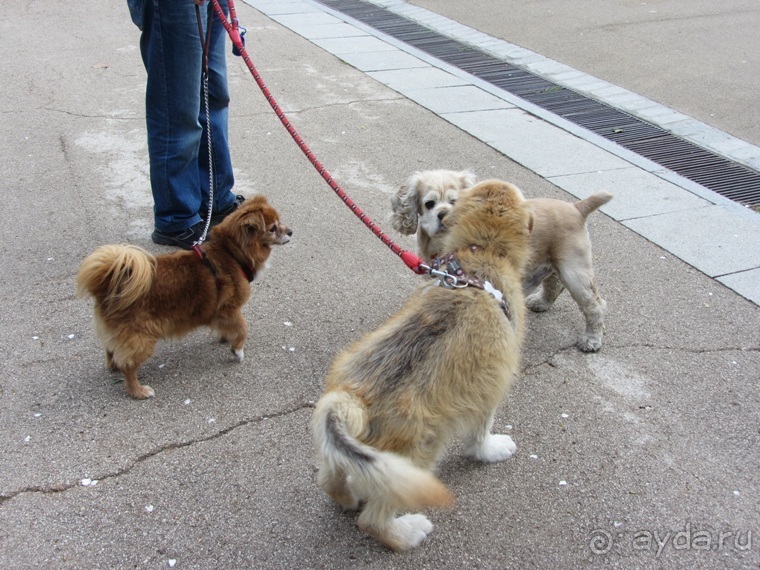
[411, 260]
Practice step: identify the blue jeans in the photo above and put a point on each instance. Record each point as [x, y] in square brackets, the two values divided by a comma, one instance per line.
[175, 113]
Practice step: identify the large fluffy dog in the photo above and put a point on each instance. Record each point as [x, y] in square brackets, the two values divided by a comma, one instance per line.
[140, 298]
[560, 245]
[437, 368]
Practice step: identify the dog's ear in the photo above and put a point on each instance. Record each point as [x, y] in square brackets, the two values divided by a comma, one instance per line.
[253, 222]
[404, 205]
[530, 222]
[252, 214]
[467, 179]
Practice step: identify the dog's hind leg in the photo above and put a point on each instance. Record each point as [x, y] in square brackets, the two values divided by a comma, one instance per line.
[582, 288]
[233, 329]
[488, 447]
[403, 533]
[110, 363]
[547, 293]
[335, 484]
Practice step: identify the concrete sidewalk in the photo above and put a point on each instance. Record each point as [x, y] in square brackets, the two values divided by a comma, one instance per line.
[681, 216]
[644, 455]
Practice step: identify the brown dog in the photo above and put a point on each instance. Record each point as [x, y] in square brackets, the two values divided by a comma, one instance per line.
[140, 298]
[560, 245]
[437, 368]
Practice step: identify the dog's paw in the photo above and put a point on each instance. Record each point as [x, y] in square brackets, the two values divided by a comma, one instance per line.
[495, 448]
[399, 534]
[239, 354]
[588, 343]
[352, 506]
[411, 530]
[536, 303]
[142, 392]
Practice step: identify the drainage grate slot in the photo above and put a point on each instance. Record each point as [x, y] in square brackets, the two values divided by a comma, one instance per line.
[732, 180]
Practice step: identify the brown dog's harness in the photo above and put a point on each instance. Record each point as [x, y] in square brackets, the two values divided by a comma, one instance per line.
[248, 271]
[450, 275]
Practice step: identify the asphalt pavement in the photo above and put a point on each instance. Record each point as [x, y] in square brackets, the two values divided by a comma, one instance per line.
[644, 455]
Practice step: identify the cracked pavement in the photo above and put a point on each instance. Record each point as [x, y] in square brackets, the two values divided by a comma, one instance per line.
[657, 431]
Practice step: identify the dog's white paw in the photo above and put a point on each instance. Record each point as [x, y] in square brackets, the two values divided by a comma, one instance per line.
[240, 354]
[412, 529]
[142, 392]
[495, 448]
[536, 303]
[590, 343]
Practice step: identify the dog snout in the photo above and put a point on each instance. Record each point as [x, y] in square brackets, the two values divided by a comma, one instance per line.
[444, 211]
[285, 234]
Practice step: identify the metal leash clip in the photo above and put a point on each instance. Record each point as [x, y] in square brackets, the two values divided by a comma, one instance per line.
[446, 280]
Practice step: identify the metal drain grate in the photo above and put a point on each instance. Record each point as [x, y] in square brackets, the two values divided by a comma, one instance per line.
[719, 174]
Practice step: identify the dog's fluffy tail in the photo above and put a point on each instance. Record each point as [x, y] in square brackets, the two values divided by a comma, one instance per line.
[596, 200]
[117, 276]
[374, 473]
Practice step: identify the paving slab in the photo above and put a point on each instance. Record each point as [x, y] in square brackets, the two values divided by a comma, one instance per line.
[638, 193]
[460, 99]
[722, 244]
[382, 61]
[533, 143]
[744, 282]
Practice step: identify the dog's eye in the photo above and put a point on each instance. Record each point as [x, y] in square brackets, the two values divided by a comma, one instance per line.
[273, 229]
[430, 204]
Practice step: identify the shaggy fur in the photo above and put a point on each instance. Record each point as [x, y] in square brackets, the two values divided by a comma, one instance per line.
[424, 201]
[560, 250]
[140, 298]
[437, 368]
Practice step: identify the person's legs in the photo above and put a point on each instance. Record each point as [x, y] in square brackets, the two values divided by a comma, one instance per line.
[219, 99]
[172, 54]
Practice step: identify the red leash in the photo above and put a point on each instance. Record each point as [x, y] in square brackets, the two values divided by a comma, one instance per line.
[412, 261]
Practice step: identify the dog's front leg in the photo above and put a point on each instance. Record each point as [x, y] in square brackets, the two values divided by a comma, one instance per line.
[488, 447]
[233, 329]
[134, 388]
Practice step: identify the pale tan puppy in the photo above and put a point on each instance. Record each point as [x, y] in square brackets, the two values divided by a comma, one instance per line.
[561, 258]
[560, 250]
[436, 369]
[423, 202]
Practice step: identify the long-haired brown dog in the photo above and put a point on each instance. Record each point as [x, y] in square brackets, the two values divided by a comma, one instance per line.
[437, 368]
[140, 298]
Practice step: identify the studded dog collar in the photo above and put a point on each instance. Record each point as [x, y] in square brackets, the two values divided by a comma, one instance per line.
[450, 274]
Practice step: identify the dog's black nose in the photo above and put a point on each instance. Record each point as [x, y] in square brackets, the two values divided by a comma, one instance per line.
[290, 232]
[442, 214]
